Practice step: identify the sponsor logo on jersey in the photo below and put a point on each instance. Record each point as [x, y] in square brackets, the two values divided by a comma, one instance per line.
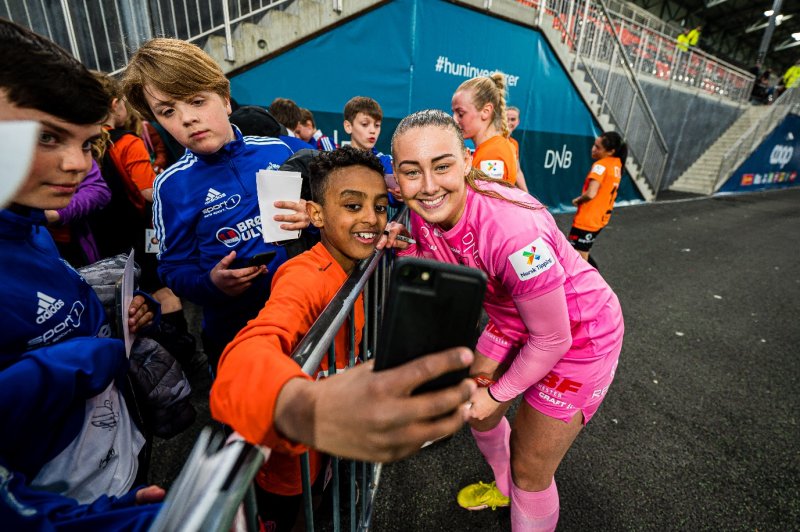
[72, 321]
[248, 229]
[48, 306]
[214, 195]
[229, 236]
[532, 260]
[532, 255]
[494, 169]
[598, 169]
[222, 206]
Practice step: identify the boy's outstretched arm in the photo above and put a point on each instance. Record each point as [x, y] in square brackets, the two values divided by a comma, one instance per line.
[372, 416]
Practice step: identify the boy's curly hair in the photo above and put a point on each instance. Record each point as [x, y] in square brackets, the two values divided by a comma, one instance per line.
[327, 162]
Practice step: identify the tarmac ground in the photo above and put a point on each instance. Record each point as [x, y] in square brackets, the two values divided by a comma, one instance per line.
[700, 428]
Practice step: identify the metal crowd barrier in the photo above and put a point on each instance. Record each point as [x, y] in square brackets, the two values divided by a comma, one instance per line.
[233, 489]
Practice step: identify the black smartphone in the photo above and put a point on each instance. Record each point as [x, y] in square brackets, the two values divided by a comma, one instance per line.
[260, 259]
[431, 306]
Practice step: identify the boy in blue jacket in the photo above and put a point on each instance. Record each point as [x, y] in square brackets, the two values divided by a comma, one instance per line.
[69, 447]
[205, 206]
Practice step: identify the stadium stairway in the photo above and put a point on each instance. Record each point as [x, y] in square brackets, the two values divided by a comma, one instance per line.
[592, 99]
[703, 176]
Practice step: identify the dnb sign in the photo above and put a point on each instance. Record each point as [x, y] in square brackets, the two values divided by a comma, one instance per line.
[555, 160]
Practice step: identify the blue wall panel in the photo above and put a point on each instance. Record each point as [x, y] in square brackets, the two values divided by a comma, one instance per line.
[413, 54]
[774, 164]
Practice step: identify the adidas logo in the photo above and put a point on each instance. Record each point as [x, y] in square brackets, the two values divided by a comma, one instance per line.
[48, 306]
[214, 195]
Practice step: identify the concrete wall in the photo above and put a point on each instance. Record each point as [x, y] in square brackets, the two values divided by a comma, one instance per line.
[280, 28]
[690, 122]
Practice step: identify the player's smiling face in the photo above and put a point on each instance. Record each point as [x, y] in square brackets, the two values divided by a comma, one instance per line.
[430, 167]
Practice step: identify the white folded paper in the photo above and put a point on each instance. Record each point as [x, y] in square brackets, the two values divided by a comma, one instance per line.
[17, 144]
[272, 186]
[128, 278]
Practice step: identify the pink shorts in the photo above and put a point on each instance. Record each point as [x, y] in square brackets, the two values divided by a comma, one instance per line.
[581, 379]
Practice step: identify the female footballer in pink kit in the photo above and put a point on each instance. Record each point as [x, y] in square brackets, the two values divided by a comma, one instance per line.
[555, 329]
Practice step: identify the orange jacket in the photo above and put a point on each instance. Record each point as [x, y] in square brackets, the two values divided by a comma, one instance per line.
[496, 158]
[595, 213]
[132, 159]
[256, 364]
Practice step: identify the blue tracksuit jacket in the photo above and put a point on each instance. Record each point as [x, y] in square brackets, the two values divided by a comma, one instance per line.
[54, 354]
[204, 207]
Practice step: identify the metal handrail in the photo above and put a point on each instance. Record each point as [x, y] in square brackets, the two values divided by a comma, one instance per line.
[652, 21]
[314, 345]
[733, 82]
[634, 79]
[735, 155]
[656, 44]
[645, 142]
[673, 40]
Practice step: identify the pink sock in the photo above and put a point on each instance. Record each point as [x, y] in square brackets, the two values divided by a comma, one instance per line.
[494, 445]
[534, 510]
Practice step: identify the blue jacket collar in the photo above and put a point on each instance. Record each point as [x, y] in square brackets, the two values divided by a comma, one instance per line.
[17, 226]
[229, 150]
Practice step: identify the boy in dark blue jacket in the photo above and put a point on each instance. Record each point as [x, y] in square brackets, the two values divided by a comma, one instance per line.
[205, 207]
[69, 447]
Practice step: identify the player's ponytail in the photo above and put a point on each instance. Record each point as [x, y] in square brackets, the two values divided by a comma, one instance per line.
[612, 141]
[490, 89]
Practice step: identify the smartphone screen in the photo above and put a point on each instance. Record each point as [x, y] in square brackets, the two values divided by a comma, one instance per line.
[431, 306]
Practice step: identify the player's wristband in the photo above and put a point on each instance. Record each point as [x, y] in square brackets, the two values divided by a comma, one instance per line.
[483, 381]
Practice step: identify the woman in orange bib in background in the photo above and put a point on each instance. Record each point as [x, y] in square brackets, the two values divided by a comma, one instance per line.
[479, 109]
[599, 192]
